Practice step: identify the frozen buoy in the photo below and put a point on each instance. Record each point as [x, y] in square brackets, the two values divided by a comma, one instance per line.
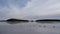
[53, 26]
[44, 26]
[39, 25]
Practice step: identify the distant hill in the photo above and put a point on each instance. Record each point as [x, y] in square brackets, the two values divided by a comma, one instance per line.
[13, 20]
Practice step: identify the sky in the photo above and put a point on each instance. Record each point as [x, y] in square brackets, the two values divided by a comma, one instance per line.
[30, 9]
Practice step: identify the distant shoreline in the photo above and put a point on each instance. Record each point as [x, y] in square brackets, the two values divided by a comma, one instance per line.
[46, 20]
[21, 20]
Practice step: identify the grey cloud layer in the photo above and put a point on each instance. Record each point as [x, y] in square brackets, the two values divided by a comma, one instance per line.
[12, 8]
[29, 8]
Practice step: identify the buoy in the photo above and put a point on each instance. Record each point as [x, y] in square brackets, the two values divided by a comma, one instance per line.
[53, 26]
[44, 26]
[39, 25]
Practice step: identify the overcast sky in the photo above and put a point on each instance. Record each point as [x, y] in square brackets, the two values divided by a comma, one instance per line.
[29, 9]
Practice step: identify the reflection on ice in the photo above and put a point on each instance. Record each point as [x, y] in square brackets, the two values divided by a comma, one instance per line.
[16, 22]
[30, 28]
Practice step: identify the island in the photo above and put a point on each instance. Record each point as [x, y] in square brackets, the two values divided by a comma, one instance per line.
[16, 20]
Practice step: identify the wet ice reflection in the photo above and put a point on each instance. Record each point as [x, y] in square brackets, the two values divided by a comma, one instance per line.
[29, 28]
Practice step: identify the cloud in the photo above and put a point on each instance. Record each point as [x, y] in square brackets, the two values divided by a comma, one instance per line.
[12, 8]
[28, 9]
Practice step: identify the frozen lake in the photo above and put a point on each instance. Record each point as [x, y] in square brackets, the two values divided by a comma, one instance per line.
[29, 28]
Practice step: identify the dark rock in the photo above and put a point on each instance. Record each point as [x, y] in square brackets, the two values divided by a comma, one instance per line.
[32, 21]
